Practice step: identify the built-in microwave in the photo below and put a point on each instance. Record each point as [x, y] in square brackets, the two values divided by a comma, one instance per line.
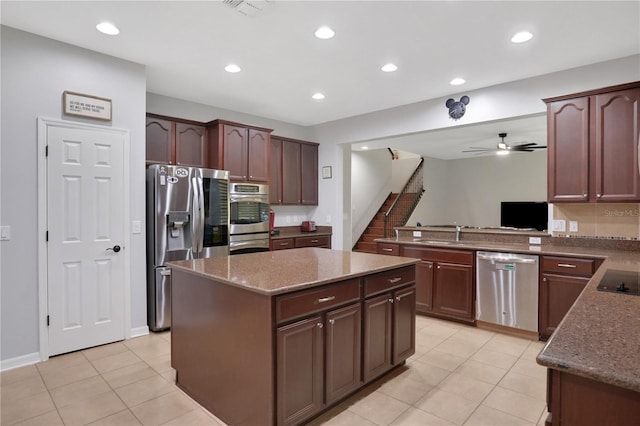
[248, 217]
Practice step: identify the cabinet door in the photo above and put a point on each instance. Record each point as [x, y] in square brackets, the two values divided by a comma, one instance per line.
[424, 286]
[258, 156]
[617, 120]
[235, 151]
[300, 368]
[557, 295]
[309, 173]
[190, 145]
[290, 172]
[377, 349]
[568, 150]
[343, 353]
[275, 172]
[159, 141]
[404, 324]
[453, 290]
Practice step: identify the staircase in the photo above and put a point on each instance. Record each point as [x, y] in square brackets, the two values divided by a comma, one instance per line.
[395, 211]
[375, 229]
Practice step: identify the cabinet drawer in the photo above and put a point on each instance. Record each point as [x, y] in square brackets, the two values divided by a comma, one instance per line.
[315, 300]
[439, 255]
[282, 244]
[568, 265]
[316, 241]
[384, 281]
[388, 248]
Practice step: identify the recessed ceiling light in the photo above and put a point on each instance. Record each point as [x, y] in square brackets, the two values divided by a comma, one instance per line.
[521, 37]
[325, 33]
[457, 81]
[107, 28]
[364, 148]
[389, 68]
[232, 68]
[318, 96]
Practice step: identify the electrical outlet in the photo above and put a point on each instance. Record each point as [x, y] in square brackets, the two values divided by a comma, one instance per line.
[417, 234]
[5, 233]
[560, 225]
[573, 226]
[328, 219]
[535, 240]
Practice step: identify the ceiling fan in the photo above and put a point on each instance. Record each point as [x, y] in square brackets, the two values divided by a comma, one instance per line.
[503, 148]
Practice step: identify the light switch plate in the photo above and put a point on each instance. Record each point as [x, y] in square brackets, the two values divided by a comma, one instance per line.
[560, 225]
[573, 226]
[136, 227]
[535, 240]
[5, 233]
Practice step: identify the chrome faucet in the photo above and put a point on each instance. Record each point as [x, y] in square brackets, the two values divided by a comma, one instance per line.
[458, 230]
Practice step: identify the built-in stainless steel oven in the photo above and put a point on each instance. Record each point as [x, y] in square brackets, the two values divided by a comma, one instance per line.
[248, 218]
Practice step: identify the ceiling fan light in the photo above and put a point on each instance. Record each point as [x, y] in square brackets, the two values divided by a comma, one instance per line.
[502, 152]
[502, 145]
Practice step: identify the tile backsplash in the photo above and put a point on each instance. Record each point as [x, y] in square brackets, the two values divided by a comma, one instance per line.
[620, 220]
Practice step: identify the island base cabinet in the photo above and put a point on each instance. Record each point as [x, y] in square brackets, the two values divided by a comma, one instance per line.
[318, 363]
[300, 348]
[576, 400]
[389, 331]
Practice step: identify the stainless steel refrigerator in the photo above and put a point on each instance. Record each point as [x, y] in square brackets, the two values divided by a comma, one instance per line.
[187, 218]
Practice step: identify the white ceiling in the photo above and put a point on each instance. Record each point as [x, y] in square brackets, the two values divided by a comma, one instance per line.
[185, 46]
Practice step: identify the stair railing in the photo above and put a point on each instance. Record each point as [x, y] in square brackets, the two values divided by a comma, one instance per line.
[405, 202]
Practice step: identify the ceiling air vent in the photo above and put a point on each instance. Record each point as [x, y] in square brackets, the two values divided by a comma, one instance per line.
[248, 8]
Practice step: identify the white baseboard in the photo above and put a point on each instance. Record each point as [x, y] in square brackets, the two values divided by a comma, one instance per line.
[19, 361]
[139, 331]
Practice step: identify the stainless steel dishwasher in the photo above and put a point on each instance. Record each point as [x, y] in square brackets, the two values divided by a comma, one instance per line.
[507, 289]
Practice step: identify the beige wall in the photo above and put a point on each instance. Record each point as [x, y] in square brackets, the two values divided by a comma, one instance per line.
[602, 220]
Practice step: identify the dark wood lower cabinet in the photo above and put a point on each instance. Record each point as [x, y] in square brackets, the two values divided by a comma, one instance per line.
[454, 290]
[576, 400]
[424, 291]
[378, 313]
[557, 294]
[343, 352]
[404, 324]
[300, 348]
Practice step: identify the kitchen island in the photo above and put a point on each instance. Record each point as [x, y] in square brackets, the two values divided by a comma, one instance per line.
[278, 337]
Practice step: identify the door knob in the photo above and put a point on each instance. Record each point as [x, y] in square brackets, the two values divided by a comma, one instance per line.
[114, 248]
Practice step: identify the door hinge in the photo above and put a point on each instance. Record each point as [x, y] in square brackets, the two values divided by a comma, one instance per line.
[46, 151]
[47, 320]
[46, 237]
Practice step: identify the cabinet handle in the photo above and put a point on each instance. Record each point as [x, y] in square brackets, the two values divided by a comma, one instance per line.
[284, 244]
[320, 325]
[438, 266]
[430, 266]
[566, 265]
[314, 241]
[394, 280]
[599, 195]
[387, 249]
[391, 300]
[326, 299]
[398, 298]
[544, 279]
[332, 321]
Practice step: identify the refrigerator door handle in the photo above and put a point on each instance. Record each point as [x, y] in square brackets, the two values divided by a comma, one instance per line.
[195, 215]
[200, 217]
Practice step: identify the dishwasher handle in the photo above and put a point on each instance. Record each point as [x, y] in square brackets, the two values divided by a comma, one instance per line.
[502, 258]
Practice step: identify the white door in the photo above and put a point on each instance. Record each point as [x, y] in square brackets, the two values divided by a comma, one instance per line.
[85, 223]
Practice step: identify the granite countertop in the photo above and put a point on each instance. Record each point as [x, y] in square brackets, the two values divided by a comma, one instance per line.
[283, 271]
[294, 231]
[599, 338]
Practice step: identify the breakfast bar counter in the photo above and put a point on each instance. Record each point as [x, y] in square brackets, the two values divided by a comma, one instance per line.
[278, 337]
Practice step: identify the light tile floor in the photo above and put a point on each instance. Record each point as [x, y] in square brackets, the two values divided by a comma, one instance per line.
[459, 375]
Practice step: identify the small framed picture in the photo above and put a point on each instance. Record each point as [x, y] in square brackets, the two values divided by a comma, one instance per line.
[326, 172]
[82, 105]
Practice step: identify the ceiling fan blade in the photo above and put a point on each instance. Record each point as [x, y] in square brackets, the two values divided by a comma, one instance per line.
[524, 144]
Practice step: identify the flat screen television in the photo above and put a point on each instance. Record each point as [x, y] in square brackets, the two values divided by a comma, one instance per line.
[524, 214]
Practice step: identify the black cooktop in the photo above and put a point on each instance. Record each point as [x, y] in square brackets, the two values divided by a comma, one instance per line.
[623, 282]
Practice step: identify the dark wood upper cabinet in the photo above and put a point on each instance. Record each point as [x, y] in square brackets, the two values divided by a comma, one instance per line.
[298, 169]
[242, 150]
[275, 172]
[617, 132]
[309, 177]
[190, 145]
[159, 141]
[593, 143]
[175, 141]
